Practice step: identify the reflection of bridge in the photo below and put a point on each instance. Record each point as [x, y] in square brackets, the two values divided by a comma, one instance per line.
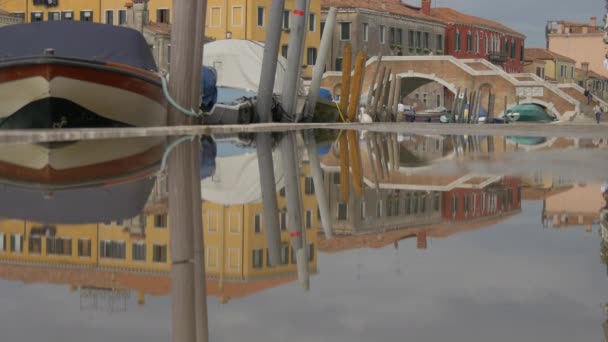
[475, 75]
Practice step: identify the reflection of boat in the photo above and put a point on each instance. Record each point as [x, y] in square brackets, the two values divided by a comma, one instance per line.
[54, 75]
[528, 141]
[529, 112]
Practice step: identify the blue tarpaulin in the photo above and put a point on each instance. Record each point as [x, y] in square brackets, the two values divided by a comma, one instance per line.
[325, 94]
[208, 87]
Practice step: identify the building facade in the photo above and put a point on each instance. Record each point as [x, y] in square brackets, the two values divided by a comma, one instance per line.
[549, 65]
[112, 12]
[248, 19]
[389, 28]
[468, 36]
[582, 42]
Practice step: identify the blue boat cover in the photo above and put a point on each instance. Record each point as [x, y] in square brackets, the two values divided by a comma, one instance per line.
[208, 87]
[208, 155]
[77, 39]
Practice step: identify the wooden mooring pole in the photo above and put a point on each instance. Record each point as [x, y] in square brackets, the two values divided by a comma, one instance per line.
[183, 180]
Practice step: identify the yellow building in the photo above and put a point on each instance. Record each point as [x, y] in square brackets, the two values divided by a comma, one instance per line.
[549, 65]
[99, 11]
[248, 19]
[226, 19]
[235, 242]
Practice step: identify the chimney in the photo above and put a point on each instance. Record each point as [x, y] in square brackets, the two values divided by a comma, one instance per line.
[140, 14]
[425, 7]
[585, 66]
[593, 22]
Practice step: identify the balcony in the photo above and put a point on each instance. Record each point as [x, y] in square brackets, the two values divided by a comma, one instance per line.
[498, 57]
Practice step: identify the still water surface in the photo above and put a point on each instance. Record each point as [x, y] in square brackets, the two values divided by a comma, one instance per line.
[432, 255]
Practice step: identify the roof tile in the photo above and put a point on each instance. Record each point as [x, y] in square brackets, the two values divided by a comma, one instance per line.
[449, 15]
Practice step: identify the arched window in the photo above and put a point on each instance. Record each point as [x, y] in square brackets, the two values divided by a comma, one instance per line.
[469, 42]
[487, 44]
[476, 42]
[457, 40]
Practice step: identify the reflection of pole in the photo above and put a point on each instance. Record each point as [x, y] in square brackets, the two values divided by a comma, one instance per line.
[317, 178]
[292, 181]
[264, 140]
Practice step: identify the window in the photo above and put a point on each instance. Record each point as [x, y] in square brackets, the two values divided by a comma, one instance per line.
[454, 204]
[311, 56]
[476, 42]
[285, 254]
[283, 220]
[309, 186]
[507, 48]
[379, 208]
[215, 17]
[257, 223]
[457, 40]
[86, 15]
[36, 16]
[466, 203]
[338, 68]
[2, 242]
[258, 255]
[344, 31]
[562, 71]
[438, 102]
[382, 34]
[342, 208]
[284, 54]
[425, 40]
[571, 72]
[237, 16]
[540, 72]
[336, 178]
[423, 204]
[391, 35]
[54, 16]
[399, 37]
[160, 221]
[139, 251]
[16, 243]
[469, 42]
[309, 219]
[286, 18]
[122, 17]
[513, 50]
[159, 253]
[483, 202]
[418, 39]
[261, 15]
[68, 15]
[415, 204]
[84, 248]
[312, 22]
[311, 252]
[439, 43]
[487, 43]
[408, 204]
[322, 28]
[35, 244]
[19, 15]
[110, 17]
[163, 15]
[111, 249]
[365, 32]
[58, 246]
[436, 202]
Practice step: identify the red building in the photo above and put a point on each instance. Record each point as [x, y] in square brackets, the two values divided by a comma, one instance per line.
[468, 36]
[475, 202]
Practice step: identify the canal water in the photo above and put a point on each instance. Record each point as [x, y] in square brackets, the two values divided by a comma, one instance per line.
[453, 238]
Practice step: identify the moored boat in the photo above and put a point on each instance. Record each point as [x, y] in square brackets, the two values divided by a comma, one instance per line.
[70, 74]
[528, 112]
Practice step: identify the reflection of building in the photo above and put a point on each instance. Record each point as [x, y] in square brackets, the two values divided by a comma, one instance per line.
[578, 206]
[122, 255]
[481, 197]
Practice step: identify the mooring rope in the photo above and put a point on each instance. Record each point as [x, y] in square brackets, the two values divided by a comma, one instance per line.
[176, 105]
